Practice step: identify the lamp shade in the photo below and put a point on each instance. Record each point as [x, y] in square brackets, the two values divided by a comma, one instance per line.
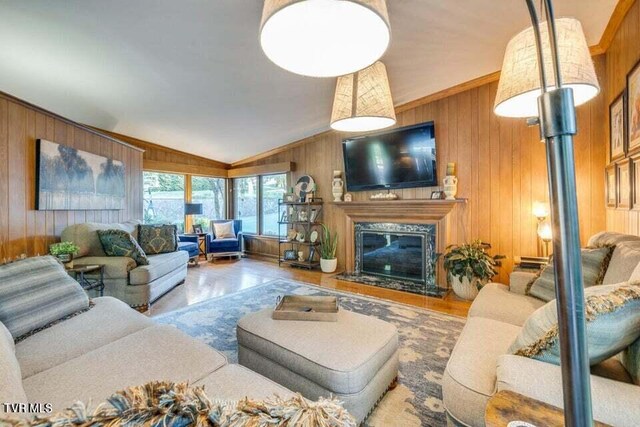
[545, 231]
[324, 38]
[363, 101]
[540, 209]
[519, 85]
[193, 208]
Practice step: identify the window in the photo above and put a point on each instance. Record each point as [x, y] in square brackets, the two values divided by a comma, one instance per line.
[163, 199]
[211, 193]
[245, 202]
[272, 189]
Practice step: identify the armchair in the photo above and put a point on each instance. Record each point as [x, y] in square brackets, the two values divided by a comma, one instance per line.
[228, 246]
[189, 244]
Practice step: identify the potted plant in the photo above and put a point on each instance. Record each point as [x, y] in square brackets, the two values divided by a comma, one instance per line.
[470, 267]
[64, 251]
[328, 260]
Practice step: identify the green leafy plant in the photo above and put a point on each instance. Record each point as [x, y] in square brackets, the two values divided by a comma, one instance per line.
[471, 260]
[64, 248]
[328, 245]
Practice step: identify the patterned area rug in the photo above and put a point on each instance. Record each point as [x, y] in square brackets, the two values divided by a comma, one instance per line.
[426, 341]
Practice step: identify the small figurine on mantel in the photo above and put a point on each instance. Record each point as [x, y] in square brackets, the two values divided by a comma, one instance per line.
[337, 186]
[450, 182]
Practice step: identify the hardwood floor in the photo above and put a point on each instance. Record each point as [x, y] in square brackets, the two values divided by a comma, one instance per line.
[223, 277]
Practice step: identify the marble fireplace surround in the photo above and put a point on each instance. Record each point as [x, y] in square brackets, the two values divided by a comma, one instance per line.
[419, 211]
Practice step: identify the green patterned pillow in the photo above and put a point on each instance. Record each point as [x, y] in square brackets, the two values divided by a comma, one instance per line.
[158, 239]
[594, 266]
[613, 323]
[121, 243]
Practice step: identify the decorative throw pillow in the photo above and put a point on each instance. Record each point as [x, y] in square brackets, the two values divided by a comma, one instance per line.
[613, 323]
[158, 239]
[594, 266]
[121, 243]
[35, 292]
[631, 360]
[224, 230]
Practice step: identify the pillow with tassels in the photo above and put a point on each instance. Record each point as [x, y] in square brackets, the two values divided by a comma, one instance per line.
[613, 323]
[179, 405]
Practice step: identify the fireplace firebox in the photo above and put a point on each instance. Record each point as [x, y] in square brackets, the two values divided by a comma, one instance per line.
[399, 256]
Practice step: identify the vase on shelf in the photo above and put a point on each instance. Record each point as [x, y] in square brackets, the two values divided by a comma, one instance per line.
[450, 187]
[337, 186]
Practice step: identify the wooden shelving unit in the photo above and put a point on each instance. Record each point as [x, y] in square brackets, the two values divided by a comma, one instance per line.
[300, 217]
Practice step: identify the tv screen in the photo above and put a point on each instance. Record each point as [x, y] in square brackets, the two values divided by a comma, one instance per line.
[401, 158]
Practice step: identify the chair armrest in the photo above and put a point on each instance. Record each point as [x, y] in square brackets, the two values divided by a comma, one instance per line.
[185, 238]
[614, 402]
[518, 281]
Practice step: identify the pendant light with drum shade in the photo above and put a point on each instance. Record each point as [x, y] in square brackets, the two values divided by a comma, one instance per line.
[519, 85]
[324, 38]
[363, 101]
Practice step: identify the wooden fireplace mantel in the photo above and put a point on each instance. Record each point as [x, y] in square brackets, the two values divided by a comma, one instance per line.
[414, 208]
[417, 211]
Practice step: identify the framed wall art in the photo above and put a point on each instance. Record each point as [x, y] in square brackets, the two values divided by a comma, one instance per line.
[633, 108]
[72, 179]
[623, 175]
[610, 182]
[617, 128]
[635, 182]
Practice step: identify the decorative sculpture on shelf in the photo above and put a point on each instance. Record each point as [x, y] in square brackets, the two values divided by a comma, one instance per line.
[337, 186]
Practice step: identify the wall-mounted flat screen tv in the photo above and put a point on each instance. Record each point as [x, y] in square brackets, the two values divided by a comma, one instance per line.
[402, 158]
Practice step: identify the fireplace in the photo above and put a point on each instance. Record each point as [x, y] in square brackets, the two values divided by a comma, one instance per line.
[401, 240]
[400, 256]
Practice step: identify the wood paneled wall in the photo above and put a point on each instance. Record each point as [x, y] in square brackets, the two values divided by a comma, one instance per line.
[164, 159]
[622, 55]
[23, 230]
[501, 168]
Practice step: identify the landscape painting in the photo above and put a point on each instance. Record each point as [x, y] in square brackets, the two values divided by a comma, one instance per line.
[72, 179]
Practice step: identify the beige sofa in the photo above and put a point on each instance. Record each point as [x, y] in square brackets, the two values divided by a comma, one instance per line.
[480, 366]
[138, 286]
[81, 359]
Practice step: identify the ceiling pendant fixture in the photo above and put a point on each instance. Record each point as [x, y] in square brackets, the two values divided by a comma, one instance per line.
[519, 85]
[363, 101]
[324, 38]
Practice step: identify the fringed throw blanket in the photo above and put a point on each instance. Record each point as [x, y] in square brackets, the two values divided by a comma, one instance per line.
[160, 404]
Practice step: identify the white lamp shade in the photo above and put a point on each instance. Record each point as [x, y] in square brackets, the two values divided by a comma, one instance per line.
[324, 38]
[519, 85]
[540, 209]
[545, 231]
[363, 101]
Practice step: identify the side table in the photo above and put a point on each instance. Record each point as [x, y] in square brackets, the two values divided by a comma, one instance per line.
[507, 406]
[89, 283]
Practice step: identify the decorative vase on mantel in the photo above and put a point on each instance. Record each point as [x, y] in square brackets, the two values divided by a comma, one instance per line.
[450, 187]
[337, 186]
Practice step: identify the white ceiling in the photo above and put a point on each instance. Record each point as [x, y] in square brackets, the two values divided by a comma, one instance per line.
[190, 74]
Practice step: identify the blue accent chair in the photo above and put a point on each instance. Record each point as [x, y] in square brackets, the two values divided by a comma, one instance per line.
[228, 246]
[189, 244]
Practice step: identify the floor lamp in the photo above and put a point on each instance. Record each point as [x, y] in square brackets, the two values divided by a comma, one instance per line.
[557, 120]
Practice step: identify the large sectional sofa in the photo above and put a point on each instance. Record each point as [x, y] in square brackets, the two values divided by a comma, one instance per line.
[110, 347]
[480, 364]
[138, 286]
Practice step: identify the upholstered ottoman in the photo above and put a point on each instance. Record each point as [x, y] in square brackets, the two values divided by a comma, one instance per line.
[355, 358]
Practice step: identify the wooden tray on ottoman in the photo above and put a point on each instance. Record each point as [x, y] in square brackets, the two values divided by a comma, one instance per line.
[314, 308]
